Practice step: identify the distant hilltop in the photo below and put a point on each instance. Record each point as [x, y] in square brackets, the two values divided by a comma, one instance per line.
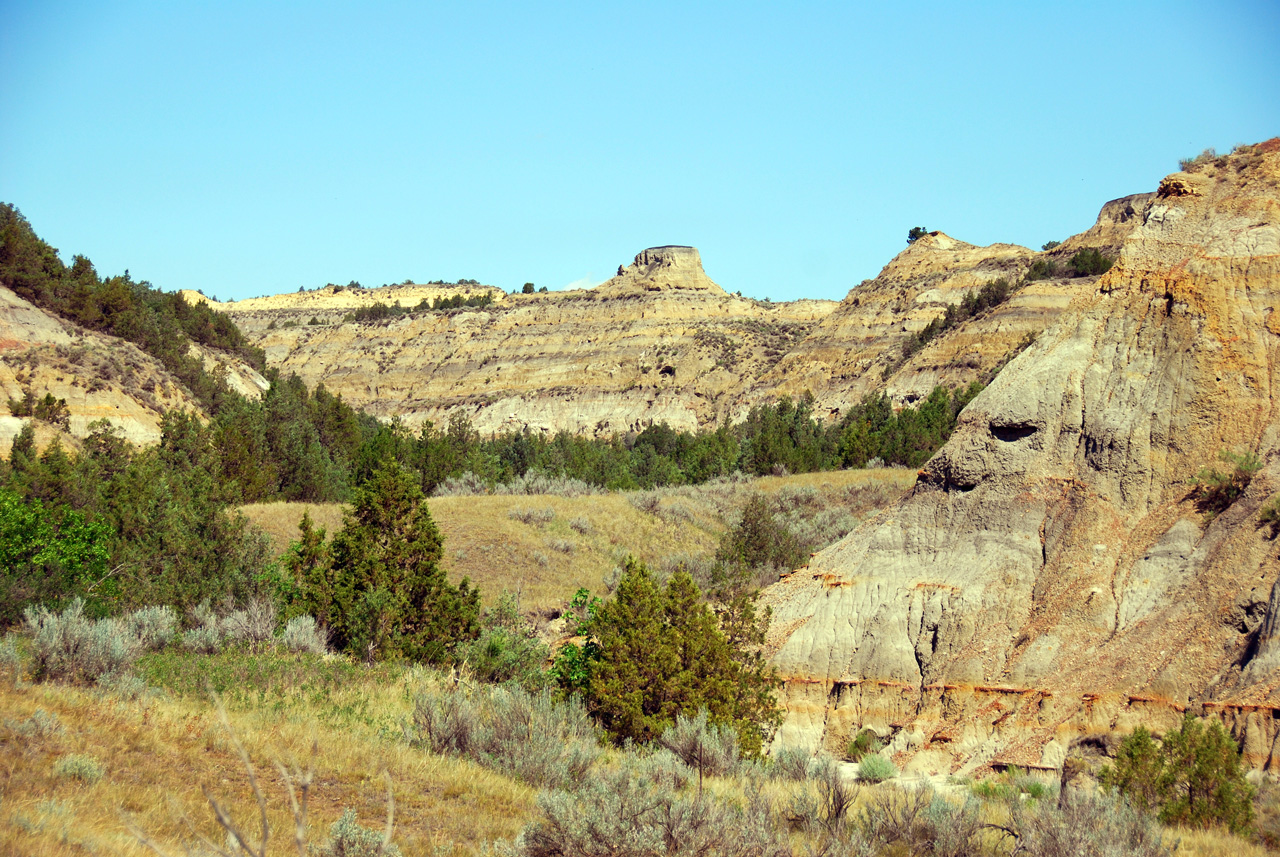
[659, 269]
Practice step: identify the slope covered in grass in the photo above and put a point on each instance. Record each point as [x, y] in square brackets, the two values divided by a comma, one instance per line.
[546, 547]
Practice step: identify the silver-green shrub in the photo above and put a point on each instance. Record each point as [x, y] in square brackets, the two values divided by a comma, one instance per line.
[1086, 825]
[702, 745]
[348, 839]
[153, 627]
[876, 769]
[302, 634]
[622, 814]
[792, 763]
[530, 736]
[78, 767]
[72, 647]
[255, 623]
[531, 515]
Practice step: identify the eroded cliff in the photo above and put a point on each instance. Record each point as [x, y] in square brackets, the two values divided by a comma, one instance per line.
[1051, 574]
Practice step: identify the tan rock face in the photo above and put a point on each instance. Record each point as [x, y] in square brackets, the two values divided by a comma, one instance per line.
[100, 377]
[660, 342]
[662, 269]
[1049, 575]
[584, 361]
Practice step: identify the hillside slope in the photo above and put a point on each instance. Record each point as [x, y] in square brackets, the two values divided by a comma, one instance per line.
[99, 376]
[1051, 574]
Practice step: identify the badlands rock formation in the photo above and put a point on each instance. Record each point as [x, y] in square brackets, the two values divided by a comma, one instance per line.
[857, 349]
[1050, 575]
[659, 342]
[100, 377]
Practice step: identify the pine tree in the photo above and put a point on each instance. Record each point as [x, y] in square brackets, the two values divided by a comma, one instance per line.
[662, 652]
[387, 593]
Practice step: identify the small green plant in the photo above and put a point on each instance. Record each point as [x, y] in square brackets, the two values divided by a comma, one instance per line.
[1270, 516]
[862, 745]
[1215, 490]
[348, 839]
[1190, 164]
[915, 234]
[86, 769]
[1049, 245]
[876, 769]
[1090, 263]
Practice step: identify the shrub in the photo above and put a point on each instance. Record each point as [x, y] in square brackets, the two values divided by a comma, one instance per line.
[41, 724]
[1085, 824]
[205, 639]
[348, 839]
[86, 769]
[561, 545]
[1042, 269]
[1189, 164]
[916, 233]
[254, 624]
[876, 769]
[10, 659]
[1215, 490]
[863, 744]
[1193, 777]
[792, 763]
[531, 737]
[507, 649]
[537, 517]
[1089, 262]
[581, 524]
[709, 749]
[825, 806]
[71, 647]
[622, 814]
[153, 627]
[922, 822]
[1049, 245]
[302, 634]
[664, 768]
[1270, 516]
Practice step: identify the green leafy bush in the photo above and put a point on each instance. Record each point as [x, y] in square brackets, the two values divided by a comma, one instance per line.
[1089, 262]
[876, 769]
[861, 745]
[1215, 490]
[507, 649]
[1193, 777]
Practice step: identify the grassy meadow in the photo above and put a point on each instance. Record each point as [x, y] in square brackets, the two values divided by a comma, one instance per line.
[548, 558]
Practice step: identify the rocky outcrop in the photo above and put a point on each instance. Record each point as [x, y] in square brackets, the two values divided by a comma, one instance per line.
[658, 343]
[859, 348]
[1050, 576]
[100, 377]
[659, 269]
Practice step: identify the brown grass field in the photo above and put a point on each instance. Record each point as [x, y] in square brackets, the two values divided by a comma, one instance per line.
[501, 554]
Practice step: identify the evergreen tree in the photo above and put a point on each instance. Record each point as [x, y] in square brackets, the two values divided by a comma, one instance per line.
[661, 652]
[387, 594]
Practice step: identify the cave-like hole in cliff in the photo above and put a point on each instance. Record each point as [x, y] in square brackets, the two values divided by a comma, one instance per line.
[1010, 433]
[668, 371]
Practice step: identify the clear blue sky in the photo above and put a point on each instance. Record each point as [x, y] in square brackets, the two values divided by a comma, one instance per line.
[251, 148]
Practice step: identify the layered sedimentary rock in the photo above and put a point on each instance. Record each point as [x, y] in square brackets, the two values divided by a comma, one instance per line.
[100, 377]
[660, 342]
[1051, 575]
[859, 348]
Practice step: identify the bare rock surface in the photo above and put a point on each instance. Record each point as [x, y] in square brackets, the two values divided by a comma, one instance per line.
[1050, 575]
[100, 377]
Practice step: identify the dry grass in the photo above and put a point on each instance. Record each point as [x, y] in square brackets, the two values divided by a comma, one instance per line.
[500, 554]
[157, 753]
[1212, 843]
